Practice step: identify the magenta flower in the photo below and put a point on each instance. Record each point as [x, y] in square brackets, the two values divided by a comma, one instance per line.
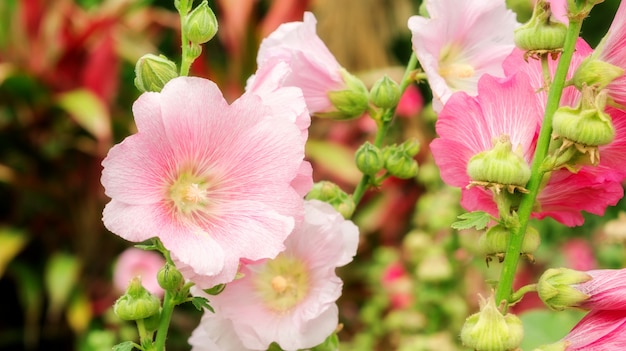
[313, 68]
[460, 42]
[290, 300]
[212, 181]
[606, 289]
[599, 330]
[135, 262]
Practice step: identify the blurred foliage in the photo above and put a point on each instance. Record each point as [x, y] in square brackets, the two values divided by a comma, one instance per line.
[66, 91]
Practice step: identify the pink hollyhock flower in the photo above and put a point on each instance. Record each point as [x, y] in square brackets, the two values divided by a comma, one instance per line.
[606, 290]
[599, 330]
[613, 50]
[135, 262]
[212, 181]
[314, 69]
[460, 42]
[289, 300]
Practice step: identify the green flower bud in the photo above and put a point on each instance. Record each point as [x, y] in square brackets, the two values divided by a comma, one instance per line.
[499, 165]
[489, 330]
[540, 33]
[170, 278]
[351, 102]
[410, 146]
[399, 164]
[385, 93]
[555, 288]
[136, 303]
[330, 192]
[200, 24]
[522, 8]
[369, 159]
[495, 240]
[595, 73]
[153, 72]
[588, 127]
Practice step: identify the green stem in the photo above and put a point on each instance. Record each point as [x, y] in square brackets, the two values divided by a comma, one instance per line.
[186, 58]
[511, 259]
[164, 323]
[384, 122]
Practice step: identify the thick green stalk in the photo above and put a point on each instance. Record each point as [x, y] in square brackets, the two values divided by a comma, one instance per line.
[164, 323]
[505, 284]
[384, 122]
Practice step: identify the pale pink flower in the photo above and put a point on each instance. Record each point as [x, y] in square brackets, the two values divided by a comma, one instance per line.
[460, 42]
[599, 330]
[212, 181]
[290, 300]
[134, 262]
[313, 67]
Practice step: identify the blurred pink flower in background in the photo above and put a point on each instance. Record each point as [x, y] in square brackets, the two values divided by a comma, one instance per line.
[137, 262]
[398, 284]
[212, 181]
[290, 300]
[460, 42]
[314, 69]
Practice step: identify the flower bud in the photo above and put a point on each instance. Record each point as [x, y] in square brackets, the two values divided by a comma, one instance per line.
[153, 72]
[369, 159]
[170, 278]
[136, 303]
[351, 102]
[385, 93]
[540, 33]
[555, 288]
[410, 146]
[500, 165]
[586, 124]
[200, 24]
[399, 164]
[495, 240]
[595, 73]
[489, 330]
[330, 193]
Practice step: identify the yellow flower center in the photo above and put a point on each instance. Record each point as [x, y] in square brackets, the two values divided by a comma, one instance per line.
[452, 67]
[188, 193]
[282, 283]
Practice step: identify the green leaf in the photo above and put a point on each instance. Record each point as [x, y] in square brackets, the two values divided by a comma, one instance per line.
[201, 302]
[125, 346]
[12, 241]
[476, 219]
[216, 290]
[545, 326]
[88, 111]
[61, 276]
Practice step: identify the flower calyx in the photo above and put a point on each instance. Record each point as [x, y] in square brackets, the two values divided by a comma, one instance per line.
[349, 103]
[330, 193]
[493, 243]
[584, 127]
[152, 72]
[200, 24]
[499, 168]
[556, 288]
[541, 35]
[491, 330]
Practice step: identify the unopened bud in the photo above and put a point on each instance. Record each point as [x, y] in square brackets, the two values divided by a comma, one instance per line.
[369, 159]
[500, 165]
[489, 330]
[540, 33]
[595, 73]
[152, 72]
[399, 164]
[495, 240]
[200, 24]
[385, 93]
[136, 303]
[170, 278]
[556, 288]
[410, 146]
[330, 193]
[351, 102]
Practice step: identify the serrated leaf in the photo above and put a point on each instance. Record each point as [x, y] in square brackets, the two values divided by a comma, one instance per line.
[476, 219]
[201, 302]
[125, 346]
